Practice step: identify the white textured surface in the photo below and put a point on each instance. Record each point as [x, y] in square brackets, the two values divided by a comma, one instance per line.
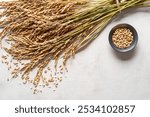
[98, 72]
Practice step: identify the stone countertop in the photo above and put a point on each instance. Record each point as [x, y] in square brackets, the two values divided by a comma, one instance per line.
[98, 72]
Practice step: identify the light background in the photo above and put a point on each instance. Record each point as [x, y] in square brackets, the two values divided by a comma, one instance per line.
[98, 72]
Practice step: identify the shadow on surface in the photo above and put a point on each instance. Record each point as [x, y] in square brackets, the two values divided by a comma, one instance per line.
[125, 56]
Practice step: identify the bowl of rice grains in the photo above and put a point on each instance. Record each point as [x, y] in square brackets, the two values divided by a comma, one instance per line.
[123, 38]
[38, 37]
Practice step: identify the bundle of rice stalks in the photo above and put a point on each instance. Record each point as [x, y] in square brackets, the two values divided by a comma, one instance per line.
[41, 31]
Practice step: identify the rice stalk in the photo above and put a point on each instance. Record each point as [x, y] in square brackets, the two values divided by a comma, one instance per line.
[42, 31]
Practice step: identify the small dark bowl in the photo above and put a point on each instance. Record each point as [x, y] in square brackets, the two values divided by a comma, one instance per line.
[133, 44]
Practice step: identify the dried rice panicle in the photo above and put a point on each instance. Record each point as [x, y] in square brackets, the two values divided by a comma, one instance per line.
[34, 28]
[41, 31]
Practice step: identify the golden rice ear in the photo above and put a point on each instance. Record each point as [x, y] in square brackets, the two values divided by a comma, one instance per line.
[79, 1]
[46, 31]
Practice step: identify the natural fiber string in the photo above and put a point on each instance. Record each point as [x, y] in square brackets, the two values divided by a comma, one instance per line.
[118, 5]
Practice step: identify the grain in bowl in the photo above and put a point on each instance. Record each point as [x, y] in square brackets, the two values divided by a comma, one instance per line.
[123, 38]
